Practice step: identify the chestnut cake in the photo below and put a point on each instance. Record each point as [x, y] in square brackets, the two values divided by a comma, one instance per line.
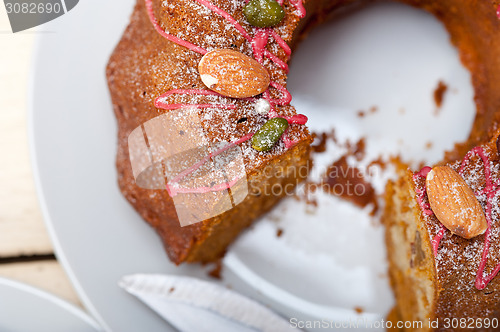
[225, 62]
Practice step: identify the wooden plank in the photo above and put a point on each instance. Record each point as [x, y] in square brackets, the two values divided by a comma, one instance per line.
[45, 275]
[22, 231]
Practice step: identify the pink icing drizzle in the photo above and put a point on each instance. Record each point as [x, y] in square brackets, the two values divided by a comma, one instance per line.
[258, 43]
[228, 17]
[437, 240]
[490, 190]
[281, 42]
[174, 39]
[498, 11]
[298, 5]
[421, 194]
[172, 190]
[260, 39]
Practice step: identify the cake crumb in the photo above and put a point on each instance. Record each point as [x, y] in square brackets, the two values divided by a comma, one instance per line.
[341, 179]
[279, 232]
[378, 162]
[359, 310]
[321, 139]
[216, 272]
[349, 183]
[319, 144]
[359, 150]
[428, 145]
[371, 110]
[439, 95]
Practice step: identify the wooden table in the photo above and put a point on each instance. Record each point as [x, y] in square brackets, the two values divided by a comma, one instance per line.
[26, 253]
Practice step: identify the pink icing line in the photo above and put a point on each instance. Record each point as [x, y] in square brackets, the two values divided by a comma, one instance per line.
[437, 239]
[490, 190]
[296, 119]
[258, 43]
[166, 106]
[285, 100]
[287, 141]
[173, 191]
[300, 119]
[426, 208]
[281, 42]
[281, 64]
[298, 6]
[228, 17]
[174, 39]
[421, 194]
[498, 11]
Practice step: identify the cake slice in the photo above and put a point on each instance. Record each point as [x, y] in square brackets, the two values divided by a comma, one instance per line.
[441, 279]
[146, 66]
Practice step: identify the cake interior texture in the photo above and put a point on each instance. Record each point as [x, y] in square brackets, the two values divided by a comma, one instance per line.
[145, 65]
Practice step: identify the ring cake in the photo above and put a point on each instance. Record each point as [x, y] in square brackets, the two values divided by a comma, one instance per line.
[220, 67]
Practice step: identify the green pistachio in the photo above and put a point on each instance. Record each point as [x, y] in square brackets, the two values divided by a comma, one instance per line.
[267, 136]
[263, 13]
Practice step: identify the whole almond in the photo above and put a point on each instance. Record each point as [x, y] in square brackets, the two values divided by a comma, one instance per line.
[233, 74]
[454, 203]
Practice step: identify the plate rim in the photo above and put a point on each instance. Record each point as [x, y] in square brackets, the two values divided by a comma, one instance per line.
[57, 301]
[58, 251]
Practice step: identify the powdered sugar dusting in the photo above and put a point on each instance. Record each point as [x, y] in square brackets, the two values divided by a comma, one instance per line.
[480, 253]
[220, 22]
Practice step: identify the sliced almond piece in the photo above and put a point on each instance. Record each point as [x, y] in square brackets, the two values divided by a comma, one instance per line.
[233, 74]
[454, 203]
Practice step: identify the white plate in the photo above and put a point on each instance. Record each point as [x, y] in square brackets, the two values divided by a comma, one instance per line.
[25, 309]
[326, 263]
